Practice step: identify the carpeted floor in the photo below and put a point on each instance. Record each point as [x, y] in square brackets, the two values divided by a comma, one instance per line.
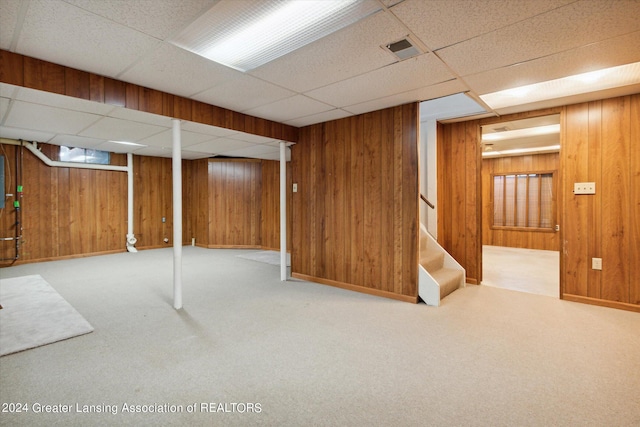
[299, 353]
[34, 314]
[526, 270]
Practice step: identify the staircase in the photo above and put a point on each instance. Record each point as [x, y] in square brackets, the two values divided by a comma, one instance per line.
[439, 274]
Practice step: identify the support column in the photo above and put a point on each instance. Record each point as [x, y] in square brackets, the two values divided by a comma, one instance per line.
[283, 211]
[177, 215]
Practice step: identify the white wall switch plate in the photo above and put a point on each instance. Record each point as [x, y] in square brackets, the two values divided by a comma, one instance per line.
[584, 188]
[596, 263]
[295, 187]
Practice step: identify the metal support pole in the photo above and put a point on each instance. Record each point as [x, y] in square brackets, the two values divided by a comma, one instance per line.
[283, 211]
[177, 216]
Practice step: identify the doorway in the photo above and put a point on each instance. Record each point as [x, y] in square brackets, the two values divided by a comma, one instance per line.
[520, 205]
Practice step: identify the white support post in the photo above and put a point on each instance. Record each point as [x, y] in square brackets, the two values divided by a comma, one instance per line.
[177, 215]
[131, 238]
[283, 211]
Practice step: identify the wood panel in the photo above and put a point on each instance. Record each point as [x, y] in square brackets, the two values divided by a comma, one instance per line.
[270, 208]
[34, 73]
[356, 210]
[234, 201]
[517, 238]
[66, 212]
[459, 183]
[616, 116]
[634, 203]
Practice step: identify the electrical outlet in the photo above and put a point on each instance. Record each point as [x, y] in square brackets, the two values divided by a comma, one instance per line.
[596, 263]
[584, 188]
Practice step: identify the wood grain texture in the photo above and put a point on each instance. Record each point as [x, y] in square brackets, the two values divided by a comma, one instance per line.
[634, 202]
[540, 163]
[357, 202]
[66, 212]
[34, 73]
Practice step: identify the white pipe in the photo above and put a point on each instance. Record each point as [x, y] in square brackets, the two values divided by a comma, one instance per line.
[283, 211]
[33, 147]
[177, 216]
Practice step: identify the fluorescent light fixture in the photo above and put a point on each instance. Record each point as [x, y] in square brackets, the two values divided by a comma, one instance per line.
[593, 81]
[128, 143]
[521, 133]
[245, 35]
[516, 151]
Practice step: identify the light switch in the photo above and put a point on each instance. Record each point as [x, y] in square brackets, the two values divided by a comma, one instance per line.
[295, 187]
[584, 188]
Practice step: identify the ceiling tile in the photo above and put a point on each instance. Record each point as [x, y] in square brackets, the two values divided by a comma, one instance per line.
[141, 117]
[9, 12]
[333, 58]
[248, 137]
[25, 134]
[290, 108]
[76, 141]
[62, 101]
[568, 27]
[165, 139]
[8, 91]
[157, 18]
[432, 21]
[413, 73]
[253, 151]
[334, 114]
[206, 129]
[421, 94]
[88, 42]
[609, 53]
[120, 130]
[178, 71]
[220, 145]
[243, 93]
[4, 108]
[48, 119]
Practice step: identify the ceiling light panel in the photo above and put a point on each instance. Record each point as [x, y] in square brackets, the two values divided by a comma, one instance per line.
[246, 35]
[607, 78]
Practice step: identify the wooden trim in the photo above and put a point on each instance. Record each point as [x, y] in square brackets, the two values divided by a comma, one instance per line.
[601, 302]
[356, 288]
[472, 282]
[25, 71]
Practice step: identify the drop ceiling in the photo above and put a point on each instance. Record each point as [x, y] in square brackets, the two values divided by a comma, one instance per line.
[471, 47]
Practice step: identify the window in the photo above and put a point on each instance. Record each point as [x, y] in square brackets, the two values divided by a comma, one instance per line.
[524, 200]
[83, 155]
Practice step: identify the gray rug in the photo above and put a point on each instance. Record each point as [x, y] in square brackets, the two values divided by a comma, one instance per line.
[34, 314]
[269, 257]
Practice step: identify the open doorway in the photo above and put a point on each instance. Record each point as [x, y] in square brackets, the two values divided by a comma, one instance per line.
[520, 205]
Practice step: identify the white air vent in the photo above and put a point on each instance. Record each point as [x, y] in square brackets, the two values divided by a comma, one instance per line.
[403, 49]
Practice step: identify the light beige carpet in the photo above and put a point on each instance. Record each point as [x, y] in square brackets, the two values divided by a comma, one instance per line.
[34, 314]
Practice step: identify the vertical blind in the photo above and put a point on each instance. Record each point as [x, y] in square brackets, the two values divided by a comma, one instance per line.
[523, 200]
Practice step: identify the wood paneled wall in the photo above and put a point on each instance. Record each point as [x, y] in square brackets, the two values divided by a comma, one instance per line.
[539, 163]
[355, 215]
[34, 73]
[66, 212]
[602, 145]
[70, 212]
[459, 195]
[599, 143]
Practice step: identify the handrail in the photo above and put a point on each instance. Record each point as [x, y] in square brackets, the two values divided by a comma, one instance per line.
[424, 199]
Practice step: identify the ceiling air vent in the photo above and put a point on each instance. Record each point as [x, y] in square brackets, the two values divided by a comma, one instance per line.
[403, 49]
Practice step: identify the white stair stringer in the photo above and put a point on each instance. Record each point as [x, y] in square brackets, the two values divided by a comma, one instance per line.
[439, 273]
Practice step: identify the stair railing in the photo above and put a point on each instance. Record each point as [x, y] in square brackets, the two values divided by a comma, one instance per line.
[424, 199]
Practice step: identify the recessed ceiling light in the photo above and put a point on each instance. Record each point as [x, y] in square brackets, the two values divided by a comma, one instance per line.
[521, 133]
[128, 143]
[246, 35]
[516, 151]
[593, 81]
